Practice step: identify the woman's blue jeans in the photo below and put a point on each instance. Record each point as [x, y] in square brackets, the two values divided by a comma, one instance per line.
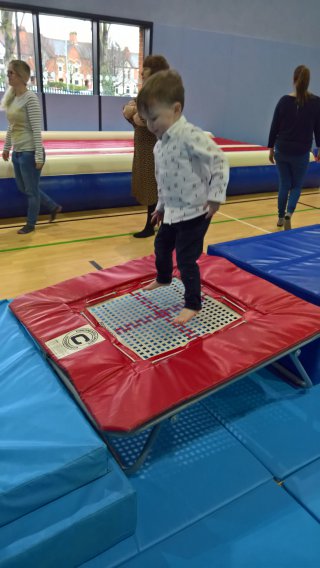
[28, 179]
[291, 172]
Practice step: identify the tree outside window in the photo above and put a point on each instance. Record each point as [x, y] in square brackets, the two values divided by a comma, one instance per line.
[120, 47]
[16, 42]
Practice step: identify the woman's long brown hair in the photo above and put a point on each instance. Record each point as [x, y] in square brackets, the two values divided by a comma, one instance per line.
[301, 79]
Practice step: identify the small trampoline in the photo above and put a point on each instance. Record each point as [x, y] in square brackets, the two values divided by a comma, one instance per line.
[129, 367]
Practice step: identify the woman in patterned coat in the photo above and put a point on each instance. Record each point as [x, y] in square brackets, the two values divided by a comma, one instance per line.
[144, 185]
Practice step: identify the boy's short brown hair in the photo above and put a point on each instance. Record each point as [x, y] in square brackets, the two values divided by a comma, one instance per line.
[164, 87]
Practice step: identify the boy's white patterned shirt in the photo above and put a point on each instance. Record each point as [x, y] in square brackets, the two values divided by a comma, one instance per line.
[190, 170]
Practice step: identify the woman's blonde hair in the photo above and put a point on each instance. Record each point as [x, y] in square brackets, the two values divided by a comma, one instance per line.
[22, 69]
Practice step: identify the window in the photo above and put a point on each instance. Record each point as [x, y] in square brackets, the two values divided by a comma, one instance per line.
[66, 52]
[121, 50]
[16, 42]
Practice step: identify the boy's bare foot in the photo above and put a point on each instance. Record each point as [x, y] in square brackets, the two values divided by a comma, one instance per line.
[153, 285]
[185, 316]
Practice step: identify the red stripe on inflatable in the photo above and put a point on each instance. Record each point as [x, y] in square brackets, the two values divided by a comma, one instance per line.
[92, 144]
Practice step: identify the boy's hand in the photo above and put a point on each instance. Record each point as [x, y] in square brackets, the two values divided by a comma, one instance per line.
[213, 208]
[157, 217]
[5, 155]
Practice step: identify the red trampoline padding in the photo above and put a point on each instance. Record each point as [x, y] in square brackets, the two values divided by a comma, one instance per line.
[123, 393]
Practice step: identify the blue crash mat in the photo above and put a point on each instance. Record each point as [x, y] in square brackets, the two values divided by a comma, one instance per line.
[47, 448]
[73, 528]
[290, 259]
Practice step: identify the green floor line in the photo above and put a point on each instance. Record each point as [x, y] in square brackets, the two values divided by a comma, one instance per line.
[88, 239]
[273, 214]
[66, 242]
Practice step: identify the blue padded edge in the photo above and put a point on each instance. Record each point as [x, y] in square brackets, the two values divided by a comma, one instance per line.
[263, 528]
[290, 259]
[74, 528]
[304, 487]
[47, 448]
[102, 190]
[277, 422]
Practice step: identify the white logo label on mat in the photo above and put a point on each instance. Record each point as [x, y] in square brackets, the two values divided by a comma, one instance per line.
[74, 341]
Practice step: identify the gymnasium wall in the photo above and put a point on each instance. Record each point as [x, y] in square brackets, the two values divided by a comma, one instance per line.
[236, 59]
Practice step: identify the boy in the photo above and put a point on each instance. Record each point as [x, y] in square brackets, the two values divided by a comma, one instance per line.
[192, 175]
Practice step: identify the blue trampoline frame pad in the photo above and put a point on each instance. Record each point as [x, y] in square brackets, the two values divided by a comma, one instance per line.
[289, 259]
[47, 448]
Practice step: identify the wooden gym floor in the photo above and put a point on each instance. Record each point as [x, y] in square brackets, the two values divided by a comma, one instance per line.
[80, 242]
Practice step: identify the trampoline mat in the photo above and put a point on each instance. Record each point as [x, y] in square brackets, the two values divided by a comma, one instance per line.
[126, 361]
[142, 320]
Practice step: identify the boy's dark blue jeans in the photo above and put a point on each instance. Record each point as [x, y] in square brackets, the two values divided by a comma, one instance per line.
[187, 238]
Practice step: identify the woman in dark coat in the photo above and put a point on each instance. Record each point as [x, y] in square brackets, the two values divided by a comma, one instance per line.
[295, 121]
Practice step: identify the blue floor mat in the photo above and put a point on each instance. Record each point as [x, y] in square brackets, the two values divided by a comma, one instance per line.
[196, 467]
[277, 422]
[262, 529]
[304, 487]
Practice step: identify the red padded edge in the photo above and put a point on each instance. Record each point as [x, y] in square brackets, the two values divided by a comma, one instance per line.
[123, 395]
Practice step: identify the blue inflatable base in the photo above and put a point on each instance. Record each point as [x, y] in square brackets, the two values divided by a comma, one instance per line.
[73, 192]
[107, 190]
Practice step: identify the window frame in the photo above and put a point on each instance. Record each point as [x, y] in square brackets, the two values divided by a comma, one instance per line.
[95, 19]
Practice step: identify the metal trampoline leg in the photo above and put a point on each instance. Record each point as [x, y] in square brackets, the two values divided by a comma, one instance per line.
[297, 363]
[302, 379]
[130, 469]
